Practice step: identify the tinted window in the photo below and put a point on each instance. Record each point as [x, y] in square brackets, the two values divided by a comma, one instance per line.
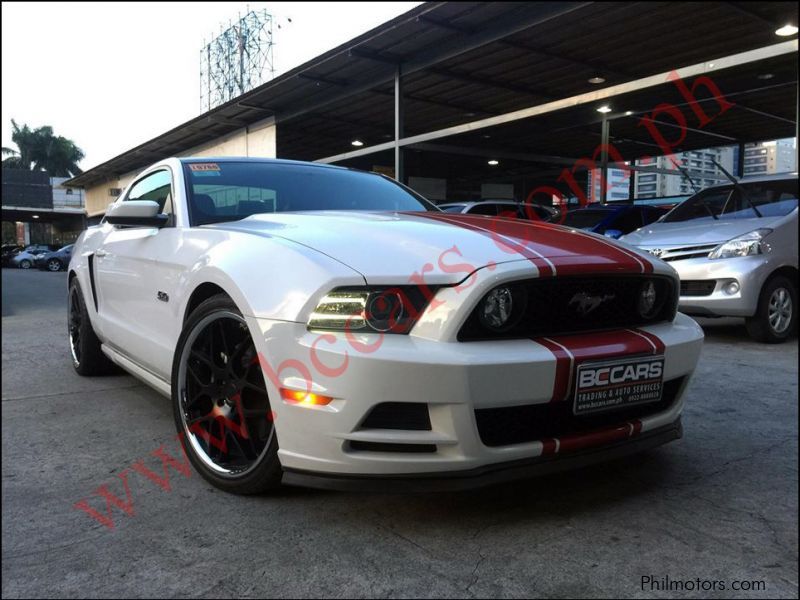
[156, 187]
[770, 198]
[585, 218]
[453, 208]
[229, 191]
[626, 221]
[484, 209]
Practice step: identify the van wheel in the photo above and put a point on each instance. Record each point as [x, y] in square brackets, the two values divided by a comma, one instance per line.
[776, 317]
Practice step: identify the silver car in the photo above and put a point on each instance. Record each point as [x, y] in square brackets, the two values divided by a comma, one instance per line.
[735, 249]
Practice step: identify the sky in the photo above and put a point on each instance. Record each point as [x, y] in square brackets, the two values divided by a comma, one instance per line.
[111, 76]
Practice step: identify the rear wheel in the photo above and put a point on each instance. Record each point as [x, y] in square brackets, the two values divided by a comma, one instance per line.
[25, 264]
[220, 401]
[53, 264]
[776, 317]
[87, 357]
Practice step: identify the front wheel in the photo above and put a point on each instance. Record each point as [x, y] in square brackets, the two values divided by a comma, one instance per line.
[84, 345]
[53, 265]
[220, 401]
[25, 264]
[776, 317]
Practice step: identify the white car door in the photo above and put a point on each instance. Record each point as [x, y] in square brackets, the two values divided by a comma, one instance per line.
[135, 281]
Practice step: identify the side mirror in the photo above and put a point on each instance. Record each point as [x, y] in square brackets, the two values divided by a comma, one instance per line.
[613, 233]
[136, 213]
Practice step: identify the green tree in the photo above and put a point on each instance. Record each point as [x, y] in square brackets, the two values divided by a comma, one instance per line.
[40, 150]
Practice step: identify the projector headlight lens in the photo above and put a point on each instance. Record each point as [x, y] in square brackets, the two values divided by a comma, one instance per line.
[647, 299]
[371, 310]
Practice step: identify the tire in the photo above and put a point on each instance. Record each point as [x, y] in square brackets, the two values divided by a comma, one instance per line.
[220, 401]
[87, 357]
[54, 265]
[776, 317]
[25, 264]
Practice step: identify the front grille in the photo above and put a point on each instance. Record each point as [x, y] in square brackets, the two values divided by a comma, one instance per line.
[553, 306]
[531, 422]
[682, 253]
[698, 287]
[412, 416]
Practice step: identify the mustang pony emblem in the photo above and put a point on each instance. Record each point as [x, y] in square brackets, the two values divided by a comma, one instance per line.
[586, 303]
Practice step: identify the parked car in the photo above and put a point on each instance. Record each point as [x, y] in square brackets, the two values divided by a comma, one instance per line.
[25, 259]
[54, 261]
[280, 305]
[493, 208]
[735, 249]
[8, 252]
[612, 220]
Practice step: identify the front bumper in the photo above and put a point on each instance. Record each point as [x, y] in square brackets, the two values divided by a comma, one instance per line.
[750, 272]
[456, 481]
[453, 378]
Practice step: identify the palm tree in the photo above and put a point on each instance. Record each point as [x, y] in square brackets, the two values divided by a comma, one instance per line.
[38, 149]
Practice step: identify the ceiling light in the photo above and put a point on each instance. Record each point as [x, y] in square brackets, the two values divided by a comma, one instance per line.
[596, 80]
[35, 216]
[710, 65]
[604, 109]
[628, 113]
[494, 162]
[786, 30]
[356, 143]
[766, 76]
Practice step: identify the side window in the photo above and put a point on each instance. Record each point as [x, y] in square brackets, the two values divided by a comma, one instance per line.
[484, 209]
[628, 221]
[157, 187]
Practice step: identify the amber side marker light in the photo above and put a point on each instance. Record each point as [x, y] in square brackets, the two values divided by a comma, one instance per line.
[304, 398]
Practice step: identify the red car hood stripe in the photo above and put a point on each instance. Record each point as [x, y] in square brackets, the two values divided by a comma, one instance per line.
[544, 245]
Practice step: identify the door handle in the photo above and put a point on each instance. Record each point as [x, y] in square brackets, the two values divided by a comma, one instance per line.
[100, 253]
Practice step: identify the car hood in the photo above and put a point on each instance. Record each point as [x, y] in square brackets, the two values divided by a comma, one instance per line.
[695, 232]
[389, 248]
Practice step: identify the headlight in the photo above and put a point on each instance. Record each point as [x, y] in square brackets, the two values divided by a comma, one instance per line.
[382, 310]
[647, 304]
[743, 245]
[502, 308]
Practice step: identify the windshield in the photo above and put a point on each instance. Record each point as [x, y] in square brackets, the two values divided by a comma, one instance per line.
[229, 191]
[586, 218]
[764, 198]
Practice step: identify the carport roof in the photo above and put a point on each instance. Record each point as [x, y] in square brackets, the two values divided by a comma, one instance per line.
[464, 61]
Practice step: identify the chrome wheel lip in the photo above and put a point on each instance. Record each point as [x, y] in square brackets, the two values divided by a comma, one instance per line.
[191, 438]
[779, 310]
[73, 326]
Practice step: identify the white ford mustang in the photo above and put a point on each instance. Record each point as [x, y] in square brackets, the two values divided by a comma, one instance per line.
[326, 327]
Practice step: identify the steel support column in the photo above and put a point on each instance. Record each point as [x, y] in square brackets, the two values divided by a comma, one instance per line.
[604, 141]
[399, 173]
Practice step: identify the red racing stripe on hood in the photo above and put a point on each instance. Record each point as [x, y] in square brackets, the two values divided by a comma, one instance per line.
[556, 250]
[572, 350]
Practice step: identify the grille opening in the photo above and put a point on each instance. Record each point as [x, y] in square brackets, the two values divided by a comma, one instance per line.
[531, 422]
[553, 306]
[698, 287]
[389, 447]
[411, 416]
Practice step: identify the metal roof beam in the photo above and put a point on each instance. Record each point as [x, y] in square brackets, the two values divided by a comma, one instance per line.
[527, 16]
[703, 68]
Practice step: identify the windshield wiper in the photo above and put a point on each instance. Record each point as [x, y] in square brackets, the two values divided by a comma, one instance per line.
[738, 186]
